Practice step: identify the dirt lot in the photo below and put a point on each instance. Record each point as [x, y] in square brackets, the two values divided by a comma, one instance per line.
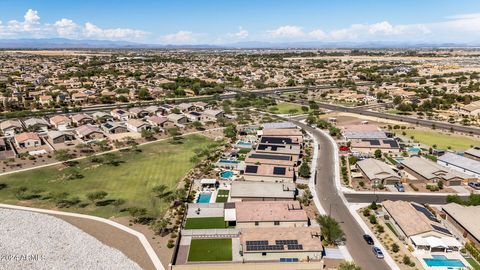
[113, 237]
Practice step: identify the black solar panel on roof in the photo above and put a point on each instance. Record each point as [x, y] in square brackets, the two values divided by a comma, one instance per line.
[441, 229]
[276, 140]
[273, 157]
[195, 113]
[251, 169]
[295, 247]
[286, 242]
[272, 147]
[373, 142]
[264, 247]
[279, 170]
[257, 243]
[108, 125]
[392, 143]
[424, 211]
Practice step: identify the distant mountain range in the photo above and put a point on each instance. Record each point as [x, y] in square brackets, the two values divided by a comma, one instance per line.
[62, 43]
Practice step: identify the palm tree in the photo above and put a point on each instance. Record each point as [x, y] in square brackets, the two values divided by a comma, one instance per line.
[349, 266]
[161, 191]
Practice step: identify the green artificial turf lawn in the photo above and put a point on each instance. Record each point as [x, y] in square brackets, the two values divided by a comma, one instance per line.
[205, 223]
[442, 140]
[222, 196]
[210, 250]
[158, 163]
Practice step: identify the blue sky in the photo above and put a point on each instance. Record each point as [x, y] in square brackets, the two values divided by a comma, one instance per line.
[228, 21]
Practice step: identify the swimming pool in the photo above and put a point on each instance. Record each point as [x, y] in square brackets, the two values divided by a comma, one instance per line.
[243, 144]
[228, 161]
[414, 150]
[440, 260]
[204, 197]
[226, 174]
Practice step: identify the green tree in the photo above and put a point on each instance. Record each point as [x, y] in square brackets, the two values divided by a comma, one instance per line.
[230, 132]
[161, 192]
[304, 170]
[96, 195]
[62, 155]
[160, 226]
[292, 111]
[331, 230]
[395, 248]
[147, 134]
[378, 153]
[197, 125]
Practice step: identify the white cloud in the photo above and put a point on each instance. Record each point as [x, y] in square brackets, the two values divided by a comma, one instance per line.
[318, 34]
[380, 31]
[66, 28]
[92, 31]
[30, 23]
[287, 31]
[241, 34]
[32, 26]
[181, 37]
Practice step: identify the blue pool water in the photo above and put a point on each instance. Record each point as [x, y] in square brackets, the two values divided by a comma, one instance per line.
[229, 161]
[440, 260]
[244, 143]
[414, 150]
[204, 197]
[226, 174]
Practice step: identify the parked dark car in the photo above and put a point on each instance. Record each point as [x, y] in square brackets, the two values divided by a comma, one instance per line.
[474, 185]
[368, 239]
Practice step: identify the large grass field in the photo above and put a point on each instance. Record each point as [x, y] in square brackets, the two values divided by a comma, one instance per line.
[284, 108]
[160, 163]
[205, 223]
[210, 250]
[442, 140]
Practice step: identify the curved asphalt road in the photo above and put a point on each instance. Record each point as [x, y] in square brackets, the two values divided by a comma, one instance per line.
[332, 203]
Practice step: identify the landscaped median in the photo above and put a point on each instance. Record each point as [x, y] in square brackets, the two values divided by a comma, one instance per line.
[108, 185]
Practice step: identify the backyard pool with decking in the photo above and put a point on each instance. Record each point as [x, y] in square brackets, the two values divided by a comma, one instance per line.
[204, 197]
[442, 261]
[226, 174]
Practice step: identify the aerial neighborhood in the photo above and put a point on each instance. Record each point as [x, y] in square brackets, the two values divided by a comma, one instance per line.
[238, 158]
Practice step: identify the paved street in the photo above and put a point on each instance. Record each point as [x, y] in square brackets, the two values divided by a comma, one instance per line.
[331, 202]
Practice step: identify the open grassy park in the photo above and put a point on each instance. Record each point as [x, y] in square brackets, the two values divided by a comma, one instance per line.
[210, 250]
[286, 108]
[442, 140]
[128, 182]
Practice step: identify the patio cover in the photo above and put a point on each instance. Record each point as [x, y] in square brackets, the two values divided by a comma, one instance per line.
[435, 242]
[208, 181]
[230, 214]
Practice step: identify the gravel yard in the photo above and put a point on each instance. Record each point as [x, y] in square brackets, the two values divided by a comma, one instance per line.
[38, 241]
